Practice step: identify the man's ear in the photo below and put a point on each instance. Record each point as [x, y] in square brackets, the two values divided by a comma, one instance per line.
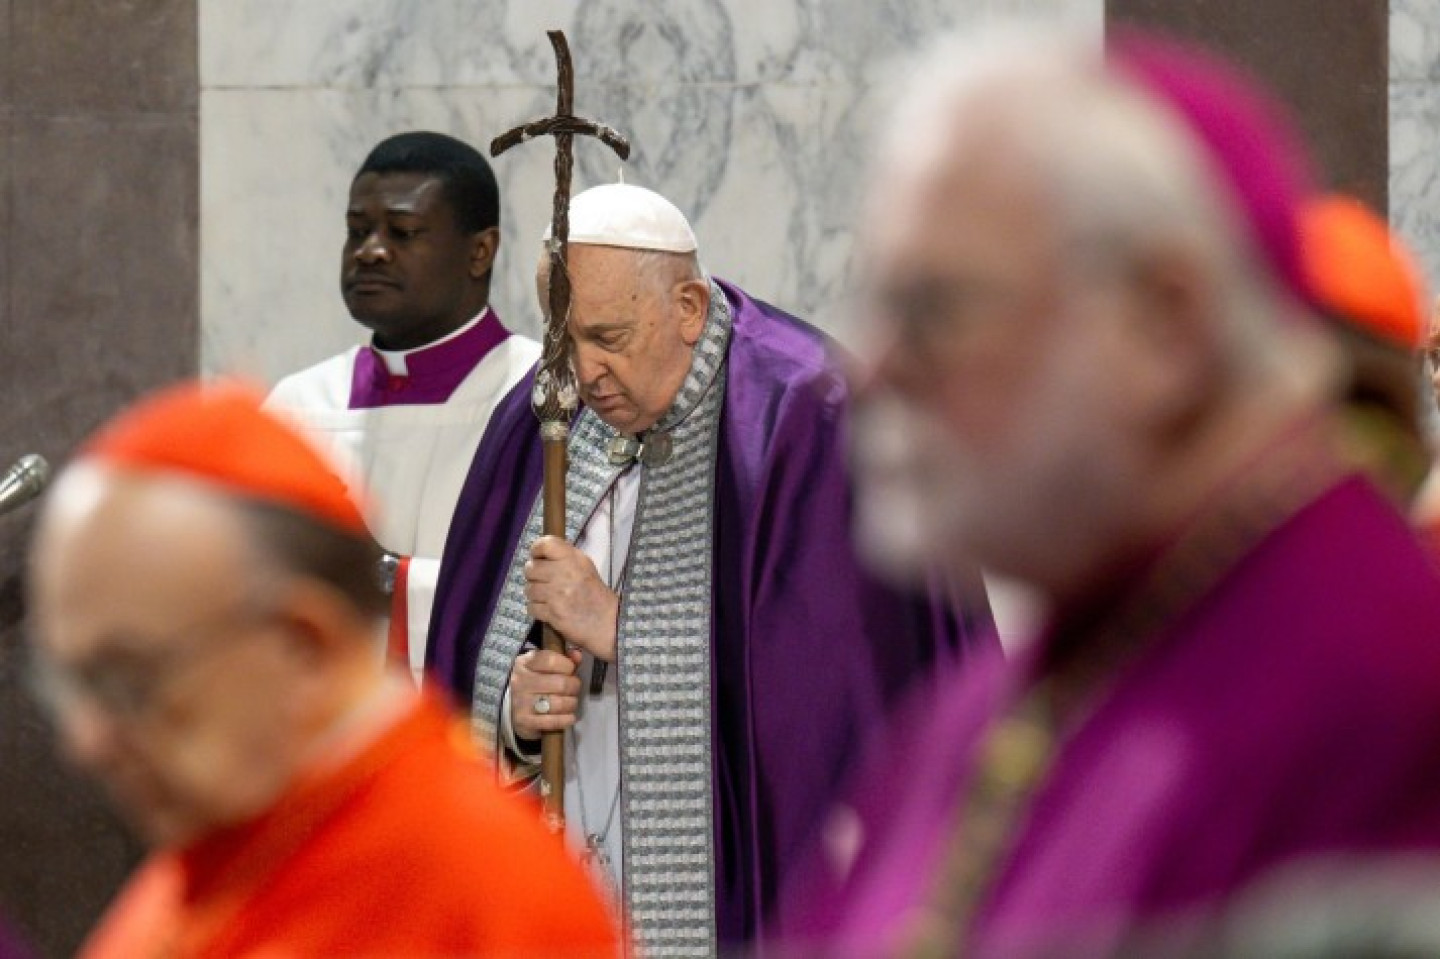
[321, 622]
[331, 647]
[692, 298]
[483, 247]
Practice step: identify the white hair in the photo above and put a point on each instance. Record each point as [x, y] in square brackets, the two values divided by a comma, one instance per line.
[663, 270]
[1123, 173]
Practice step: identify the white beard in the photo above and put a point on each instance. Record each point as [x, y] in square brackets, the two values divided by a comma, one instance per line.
[912, 500]
[1036, 505]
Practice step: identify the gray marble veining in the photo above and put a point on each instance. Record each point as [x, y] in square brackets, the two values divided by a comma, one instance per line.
[754, 116]
[1414, 40]
[1415, 129]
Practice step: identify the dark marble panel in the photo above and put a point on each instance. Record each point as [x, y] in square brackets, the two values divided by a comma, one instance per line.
[98, 301]
[100, 289]
[105, 268]
[1329, 61]
[80, 56]
[65, 852]
[7, 164]
[5, 66]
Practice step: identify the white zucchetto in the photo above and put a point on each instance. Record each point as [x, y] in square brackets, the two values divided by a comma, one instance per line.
[632, 217]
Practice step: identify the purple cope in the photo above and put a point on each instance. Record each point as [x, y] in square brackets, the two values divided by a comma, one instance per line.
[809, 649]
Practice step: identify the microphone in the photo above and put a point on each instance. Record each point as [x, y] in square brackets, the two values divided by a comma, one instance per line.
[23, 482]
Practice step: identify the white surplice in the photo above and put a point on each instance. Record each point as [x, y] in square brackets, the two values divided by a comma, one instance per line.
[412, 460]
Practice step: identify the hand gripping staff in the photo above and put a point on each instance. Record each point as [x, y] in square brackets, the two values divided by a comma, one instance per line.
[556, 396]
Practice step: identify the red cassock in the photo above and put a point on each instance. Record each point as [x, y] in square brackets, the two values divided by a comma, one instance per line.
[408, 849]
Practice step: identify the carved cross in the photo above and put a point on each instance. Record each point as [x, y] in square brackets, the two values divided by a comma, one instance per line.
[555, 395]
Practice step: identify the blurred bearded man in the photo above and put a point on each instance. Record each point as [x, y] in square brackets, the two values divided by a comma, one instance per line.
[1092, 371]
[206, 607]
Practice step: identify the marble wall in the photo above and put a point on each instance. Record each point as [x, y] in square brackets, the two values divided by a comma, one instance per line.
[751, 115]
[1415, 128]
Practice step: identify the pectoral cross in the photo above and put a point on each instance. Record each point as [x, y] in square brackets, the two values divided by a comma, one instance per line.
[595, 855]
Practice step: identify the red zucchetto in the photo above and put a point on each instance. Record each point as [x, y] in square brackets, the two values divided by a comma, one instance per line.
[218, 433]
[1360, 271]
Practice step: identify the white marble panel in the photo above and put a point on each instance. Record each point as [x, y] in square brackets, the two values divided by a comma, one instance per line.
[266, 43]
[782, 220]
[1415, 170]
[325, 43]
[1414, 40]
[1415, 129]
[664, 42]
[276, 171]
[752, 115]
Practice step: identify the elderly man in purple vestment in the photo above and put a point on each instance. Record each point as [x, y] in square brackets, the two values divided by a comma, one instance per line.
[729, 651]
[1093, 371]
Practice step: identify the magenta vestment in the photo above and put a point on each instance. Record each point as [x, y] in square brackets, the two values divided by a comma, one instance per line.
[1292, 709]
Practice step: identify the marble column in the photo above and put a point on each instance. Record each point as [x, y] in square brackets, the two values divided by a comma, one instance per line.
[98, 301]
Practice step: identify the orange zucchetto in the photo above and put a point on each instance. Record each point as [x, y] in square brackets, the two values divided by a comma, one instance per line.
[218, 433]
[1361, 272]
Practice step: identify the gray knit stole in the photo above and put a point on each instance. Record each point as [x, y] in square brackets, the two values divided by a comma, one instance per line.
[663, 649]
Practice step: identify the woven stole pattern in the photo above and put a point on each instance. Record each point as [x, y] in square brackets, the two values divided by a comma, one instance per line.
[664, 653]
